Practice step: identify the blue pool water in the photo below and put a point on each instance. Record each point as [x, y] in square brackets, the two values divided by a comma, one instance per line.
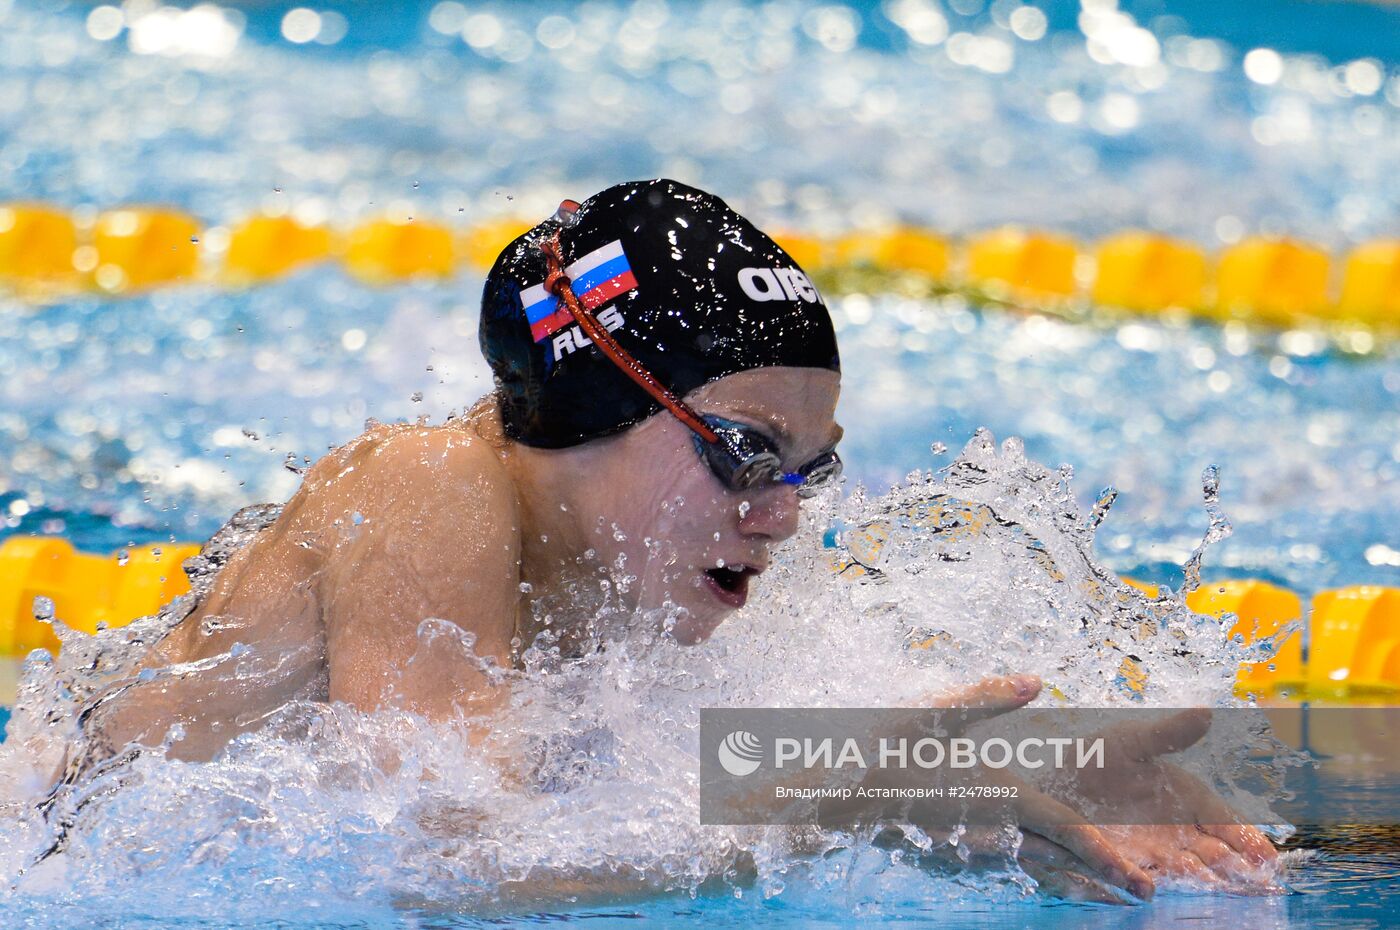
[154, 417]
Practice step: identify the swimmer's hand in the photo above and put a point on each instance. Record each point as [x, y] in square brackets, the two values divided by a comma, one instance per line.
[1217, 850]
[1066, 854]
[1083, 861]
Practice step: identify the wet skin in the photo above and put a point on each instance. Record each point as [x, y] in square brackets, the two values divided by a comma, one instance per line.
[455, 522]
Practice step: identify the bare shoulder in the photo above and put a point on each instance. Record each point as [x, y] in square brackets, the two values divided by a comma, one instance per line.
[428, 493]
[401, 524]
[411, 522]
[406, 470]
[416, 523]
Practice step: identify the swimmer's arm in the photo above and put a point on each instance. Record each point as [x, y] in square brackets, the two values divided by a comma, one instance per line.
[429, 531]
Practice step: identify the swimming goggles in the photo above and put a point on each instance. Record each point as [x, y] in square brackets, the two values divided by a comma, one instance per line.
[743, 458]
[740, 456]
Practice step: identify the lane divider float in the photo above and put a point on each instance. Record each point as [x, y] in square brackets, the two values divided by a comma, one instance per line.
[1352, 636]
[1353, 633]
[46, 254]
[44, 576]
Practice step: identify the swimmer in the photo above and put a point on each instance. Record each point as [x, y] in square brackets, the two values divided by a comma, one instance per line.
[666, 380]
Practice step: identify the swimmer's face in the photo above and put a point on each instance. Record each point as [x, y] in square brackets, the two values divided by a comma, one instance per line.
[679, 523]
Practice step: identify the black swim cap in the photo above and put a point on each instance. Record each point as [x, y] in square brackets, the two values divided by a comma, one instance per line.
[692, 289]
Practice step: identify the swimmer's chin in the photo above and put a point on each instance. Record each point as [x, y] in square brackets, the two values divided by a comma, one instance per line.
[698, 621]
[690, 630]
[702, 605]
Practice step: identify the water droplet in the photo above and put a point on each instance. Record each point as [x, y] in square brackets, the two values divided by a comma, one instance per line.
[1101, 506]
[357, 518]
[43, 608]
[250, 434]
[416, 397]
[938, 448]
[1219, 528]
[744, 508]
[123, 557]
[526, 587]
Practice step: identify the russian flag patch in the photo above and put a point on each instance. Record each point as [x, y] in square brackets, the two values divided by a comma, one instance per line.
[597, 278]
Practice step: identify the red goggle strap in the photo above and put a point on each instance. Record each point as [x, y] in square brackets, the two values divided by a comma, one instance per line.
[557, 283]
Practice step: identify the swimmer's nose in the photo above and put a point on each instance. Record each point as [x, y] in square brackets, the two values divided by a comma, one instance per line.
[772, 512]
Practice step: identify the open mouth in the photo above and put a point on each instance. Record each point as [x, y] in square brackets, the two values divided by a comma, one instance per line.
[730, 584]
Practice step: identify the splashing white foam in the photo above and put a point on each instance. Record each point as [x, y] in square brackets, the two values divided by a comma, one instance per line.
[985, 567]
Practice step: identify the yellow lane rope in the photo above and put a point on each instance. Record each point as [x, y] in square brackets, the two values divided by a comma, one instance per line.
[1353, 633]
[47, 253]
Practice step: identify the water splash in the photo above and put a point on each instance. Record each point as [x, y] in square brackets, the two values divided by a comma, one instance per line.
[1219, 528]
[982, 568]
